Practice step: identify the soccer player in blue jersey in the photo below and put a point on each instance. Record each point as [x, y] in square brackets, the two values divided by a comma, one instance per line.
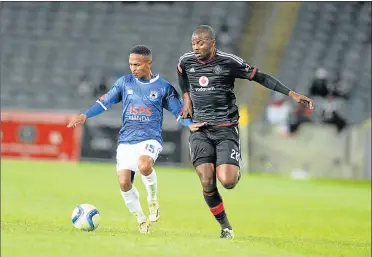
[143, 96]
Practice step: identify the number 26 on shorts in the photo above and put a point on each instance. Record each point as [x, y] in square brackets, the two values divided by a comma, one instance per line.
[235, 155]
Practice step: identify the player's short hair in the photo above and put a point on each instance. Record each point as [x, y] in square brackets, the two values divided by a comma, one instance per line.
[205, 29]
[142, 50]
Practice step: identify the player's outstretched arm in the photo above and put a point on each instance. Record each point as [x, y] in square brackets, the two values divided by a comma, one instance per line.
[242, 70]
[274, 84]
[113, 96]
[94, 110]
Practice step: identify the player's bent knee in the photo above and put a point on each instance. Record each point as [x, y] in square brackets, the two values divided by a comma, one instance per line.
[228, 175]
[145, 165]
[125, 186]
[208, 184]
[229, 185]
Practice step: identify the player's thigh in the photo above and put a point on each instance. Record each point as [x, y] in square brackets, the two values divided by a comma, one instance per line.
[126, 158]
[202, 150]
[149, 148]
[228, 147]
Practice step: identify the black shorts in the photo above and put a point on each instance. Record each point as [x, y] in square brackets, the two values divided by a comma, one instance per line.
[217, 145]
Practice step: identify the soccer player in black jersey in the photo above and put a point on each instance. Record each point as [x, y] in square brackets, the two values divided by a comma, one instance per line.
[206, 78]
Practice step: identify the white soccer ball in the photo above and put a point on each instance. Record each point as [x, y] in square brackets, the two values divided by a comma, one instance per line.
[85, 217]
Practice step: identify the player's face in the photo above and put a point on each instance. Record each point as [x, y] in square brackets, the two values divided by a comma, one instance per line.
[140, 66]
[202, 46]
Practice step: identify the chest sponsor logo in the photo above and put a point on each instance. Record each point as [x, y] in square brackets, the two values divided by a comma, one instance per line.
[203, 81]
[140, 113]
[192, 69]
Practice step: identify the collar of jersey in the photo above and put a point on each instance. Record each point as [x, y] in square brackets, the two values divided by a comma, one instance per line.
[152, 80]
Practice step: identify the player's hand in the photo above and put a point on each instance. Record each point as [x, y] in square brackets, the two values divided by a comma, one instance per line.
[195, 126]
[187, 107]
[77, 120]
[302, 99]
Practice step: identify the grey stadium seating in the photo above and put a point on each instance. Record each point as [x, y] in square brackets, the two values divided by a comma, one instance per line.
[336, 36]
[48, 46]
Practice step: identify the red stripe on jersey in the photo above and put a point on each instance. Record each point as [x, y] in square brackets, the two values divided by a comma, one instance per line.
[218, 209]
[253, 73]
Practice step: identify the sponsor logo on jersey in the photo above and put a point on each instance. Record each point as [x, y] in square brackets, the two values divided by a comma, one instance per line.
[130, 91]
[153, 95]
[217, 69]
[203, 81]
[192, 69]
[140, 113]
[203, 89]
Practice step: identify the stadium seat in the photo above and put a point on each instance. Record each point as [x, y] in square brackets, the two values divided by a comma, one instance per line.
[336, 36]
[53, 45]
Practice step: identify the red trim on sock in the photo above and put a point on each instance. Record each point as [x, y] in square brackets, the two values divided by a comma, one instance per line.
[218, 209]
[209, 193]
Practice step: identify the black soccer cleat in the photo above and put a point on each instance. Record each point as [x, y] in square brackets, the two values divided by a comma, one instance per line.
[227, 233]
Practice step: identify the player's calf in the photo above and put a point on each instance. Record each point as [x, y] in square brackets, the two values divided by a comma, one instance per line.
[130, 195]
[211, 195]
[145, 166]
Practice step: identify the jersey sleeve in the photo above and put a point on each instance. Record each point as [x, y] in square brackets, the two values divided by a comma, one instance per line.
[183, 80]
[242, 70]
[113, 96]
[172, 102]
[174, 105]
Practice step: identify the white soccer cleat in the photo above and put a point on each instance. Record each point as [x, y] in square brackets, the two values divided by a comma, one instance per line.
[144, 227]
[154, 212]
[227, 233]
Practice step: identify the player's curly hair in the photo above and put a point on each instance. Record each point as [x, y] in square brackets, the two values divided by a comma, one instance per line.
[205, 29]
[142, 50]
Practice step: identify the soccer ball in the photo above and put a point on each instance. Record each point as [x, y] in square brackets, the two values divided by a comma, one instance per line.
[85, 217]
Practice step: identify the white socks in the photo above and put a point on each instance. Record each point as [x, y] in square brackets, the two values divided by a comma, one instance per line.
[131, 199]
[151, 185]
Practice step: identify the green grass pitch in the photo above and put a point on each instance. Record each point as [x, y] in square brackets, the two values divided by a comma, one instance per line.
[272, 216]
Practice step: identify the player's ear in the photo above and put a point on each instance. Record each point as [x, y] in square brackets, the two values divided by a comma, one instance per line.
[213, 43]
[150, 62]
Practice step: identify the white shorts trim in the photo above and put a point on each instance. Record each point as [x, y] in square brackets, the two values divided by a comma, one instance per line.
[127, 155]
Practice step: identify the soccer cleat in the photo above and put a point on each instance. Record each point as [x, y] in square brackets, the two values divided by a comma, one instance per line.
[227, 233]
[154, 212]
[144, 227]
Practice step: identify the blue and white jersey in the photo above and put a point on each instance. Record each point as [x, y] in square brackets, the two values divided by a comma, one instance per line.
[142, 102]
